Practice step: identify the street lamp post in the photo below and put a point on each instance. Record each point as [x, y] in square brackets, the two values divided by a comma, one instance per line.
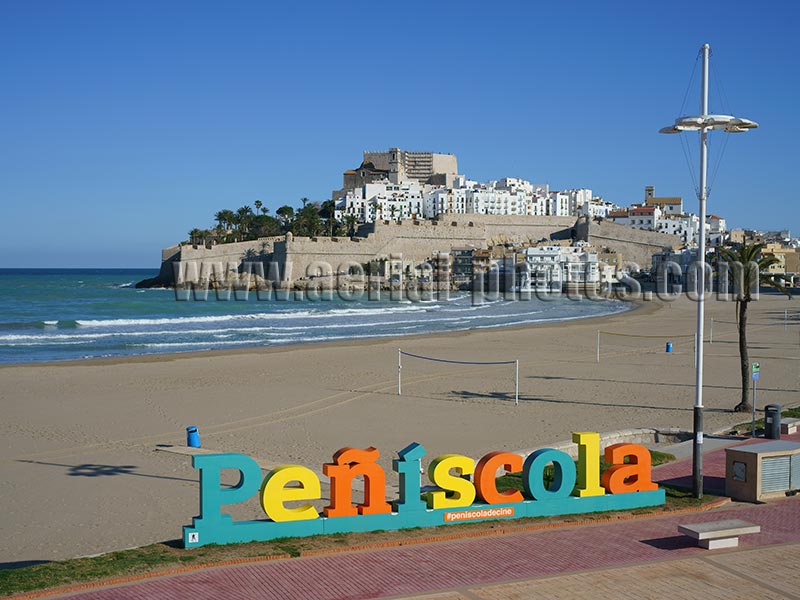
[703, 123]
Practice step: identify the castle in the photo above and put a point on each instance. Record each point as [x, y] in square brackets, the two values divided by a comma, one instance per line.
[415, 207]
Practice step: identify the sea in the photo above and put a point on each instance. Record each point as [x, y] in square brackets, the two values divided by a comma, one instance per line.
[76, 314]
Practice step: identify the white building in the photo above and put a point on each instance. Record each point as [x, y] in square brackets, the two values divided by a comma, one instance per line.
[644, 217]
[559, 204]
[716, 230]
[509, 196]
[382, 200]
[686, 227]
[669, 205]
[672, 266]
[598, 208]
[548, 268]
[387, 199]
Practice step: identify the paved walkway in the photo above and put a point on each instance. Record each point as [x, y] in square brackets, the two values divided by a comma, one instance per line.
[643, 558]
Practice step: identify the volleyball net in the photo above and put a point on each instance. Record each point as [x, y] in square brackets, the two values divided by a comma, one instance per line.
[634, 343]
[401, 354]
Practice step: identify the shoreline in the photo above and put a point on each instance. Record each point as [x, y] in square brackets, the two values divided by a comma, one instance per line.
[636, 306]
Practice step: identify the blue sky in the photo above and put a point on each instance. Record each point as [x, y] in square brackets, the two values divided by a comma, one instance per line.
[124, 124]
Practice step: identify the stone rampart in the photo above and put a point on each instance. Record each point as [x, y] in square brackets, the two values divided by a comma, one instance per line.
[635, 245]
[417, 241]
[254, 250]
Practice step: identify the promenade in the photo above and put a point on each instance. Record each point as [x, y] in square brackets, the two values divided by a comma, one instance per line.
[635, 559]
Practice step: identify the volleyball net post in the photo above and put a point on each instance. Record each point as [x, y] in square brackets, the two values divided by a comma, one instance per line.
[400, 354]
[598, 346]
[399, 372]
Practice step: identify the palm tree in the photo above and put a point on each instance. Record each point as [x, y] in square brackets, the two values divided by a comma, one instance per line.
[258, 204]
[226, 219]
[351, 221]
[221, 219]
[245, 215]
[750, 270]
[195, 235]
[327, 211]
[307, 221]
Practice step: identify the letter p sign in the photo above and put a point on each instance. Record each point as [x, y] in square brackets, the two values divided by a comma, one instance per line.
[213, 495]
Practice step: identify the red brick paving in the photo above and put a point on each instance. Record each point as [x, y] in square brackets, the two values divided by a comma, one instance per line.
[445, 565]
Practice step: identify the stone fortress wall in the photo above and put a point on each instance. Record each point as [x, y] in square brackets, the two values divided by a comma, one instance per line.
[635, 245]
[416, 241]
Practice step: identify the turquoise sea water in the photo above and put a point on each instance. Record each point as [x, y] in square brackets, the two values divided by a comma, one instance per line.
[67, 314]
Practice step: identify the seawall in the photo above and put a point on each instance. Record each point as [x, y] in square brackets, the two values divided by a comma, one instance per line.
[414, 241]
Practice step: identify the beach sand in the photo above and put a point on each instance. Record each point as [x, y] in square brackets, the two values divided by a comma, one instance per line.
[82, 473]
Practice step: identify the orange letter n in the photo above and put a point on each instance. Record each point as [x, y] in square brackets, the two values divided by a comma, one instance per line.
[347, 464]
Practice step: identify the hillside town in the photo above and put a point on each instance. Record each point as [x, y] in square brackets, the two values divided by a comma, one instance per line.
[411, 219]
[398, 184]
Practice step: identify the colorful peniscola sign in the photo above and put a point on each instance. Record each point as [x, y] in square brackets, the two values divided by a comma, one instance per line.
[285, 493]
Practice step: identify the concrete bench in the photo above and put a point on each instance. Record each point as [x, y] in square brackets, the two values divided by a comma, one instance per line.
[789, 426]
[719, 534]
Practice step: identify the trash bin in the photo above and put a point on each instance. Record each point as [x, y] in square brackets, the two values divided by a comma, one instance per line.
[669, 346]
[772, 421]
[193, 437]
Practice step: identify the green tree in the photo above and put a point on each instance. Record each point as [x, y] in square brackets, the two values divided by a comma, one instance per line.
[225, 218]
[258, 204]
[307, 222]
[285, 214]
[351, 222]
[219, 217]
[196, 236]
[244, 217]
[327, 211]
[265, 226]
[749, 270]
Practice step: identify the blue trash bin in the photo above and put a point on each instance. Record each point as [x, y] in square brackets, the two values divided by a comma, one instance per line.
[669, 346]
[192, 437]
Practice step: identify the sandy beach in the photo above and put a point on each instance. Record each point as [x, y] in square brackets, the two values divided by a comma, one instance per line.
[83, 473]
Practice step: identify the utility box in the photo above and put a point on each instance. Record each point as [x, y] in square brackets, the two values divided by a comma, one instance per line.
[761, 471]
